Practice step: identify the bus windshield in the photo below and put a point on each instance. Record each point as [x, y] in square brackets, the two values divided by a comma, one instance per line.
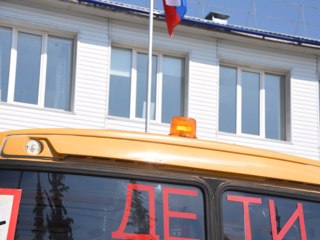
[72, 206]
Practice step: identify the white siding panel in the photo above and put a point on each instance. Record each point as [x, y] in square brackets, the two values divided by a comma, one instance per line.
[126, 124]
[137, 125]
[304, 116]
[203, 86]
[15, 117]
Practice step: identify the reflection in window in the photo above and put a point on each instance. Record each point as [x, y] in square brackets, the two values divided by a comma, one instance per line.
[275, 106]
[142, 79]
[250, 102]
[166, 89]
[5, 47]
[59, 72]
[68, 206]
[227, 99]
[119, 89]
[28, 68]
[173, 75]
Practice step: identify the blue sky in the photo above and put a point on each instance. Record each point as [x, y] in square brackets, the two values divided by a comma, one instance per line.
[294, 17]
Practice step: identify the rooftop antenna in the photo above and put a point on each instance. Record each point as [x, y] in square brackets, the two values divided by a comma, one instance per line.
[202, 7]
[199, 7]
[252, 13]
[301, 20]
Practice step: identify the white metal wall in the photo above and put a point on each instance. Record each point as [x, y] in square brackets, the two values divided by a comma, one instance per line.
[94, 37]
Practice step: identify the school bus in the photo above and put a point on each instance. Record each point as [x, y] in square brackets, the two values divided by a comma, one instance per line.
[102, 184]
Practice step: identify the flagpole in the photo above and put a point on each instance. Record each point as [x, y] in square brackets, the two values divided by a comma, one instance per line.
[149, 82]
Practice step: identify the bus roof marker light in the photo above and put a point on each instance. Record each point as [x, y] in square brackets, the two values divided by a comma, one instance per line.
[33, 147]
[183, 127]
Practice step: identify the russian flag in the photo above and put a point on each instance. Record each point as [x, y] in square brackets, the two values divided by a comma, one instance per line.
[174, 11]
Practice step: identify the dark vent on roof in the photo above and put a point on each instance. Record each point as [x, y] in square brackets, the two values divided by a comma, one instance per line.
[217, 17]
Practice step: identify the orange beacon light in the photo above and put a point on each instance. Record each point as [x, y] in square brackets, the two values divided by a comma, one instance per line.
[183, 127]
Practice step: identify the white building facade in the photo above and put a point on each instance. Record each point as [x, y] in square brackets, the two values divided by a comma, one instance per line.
[74, 64]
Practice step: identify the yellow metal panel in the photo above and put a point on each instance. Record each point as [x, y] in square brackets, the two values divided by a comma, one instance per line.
[163, 150]
[16, 146]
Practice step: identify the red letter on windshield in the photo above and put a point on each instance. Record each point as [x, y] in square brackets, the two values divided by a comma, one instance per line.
[120, 233]
[245, 202]
[167, 214]
[298, 214]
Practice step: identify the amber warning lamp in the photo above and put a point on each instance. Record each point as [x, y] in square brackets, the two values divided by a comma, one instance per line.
[183, 127]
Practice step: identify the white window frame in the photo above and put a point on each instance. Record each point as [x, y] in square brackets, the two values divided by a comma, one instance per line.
[285, 125]
[159, 84]
[43, 66]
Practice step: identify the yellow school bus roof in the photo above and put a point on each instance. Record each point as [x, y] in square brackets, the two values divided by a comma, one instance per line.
[178, 152]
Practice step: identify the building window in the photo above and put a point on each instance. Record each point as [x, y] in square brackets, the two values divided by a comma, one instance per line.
[252, 102]
[128, 84]
[35, 69]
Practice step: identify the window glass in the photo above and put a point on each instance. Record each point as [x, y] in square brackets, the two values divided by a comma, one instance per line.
[59, 70]
[267, 217]
[28, 68]
[250, 83]
[173, 75]
[142, 79]
[245, 93]
[166, 88]
[69, 206]
[36, 54]
[275, 106]
[5, 48]
[227, 99]
[120, 82]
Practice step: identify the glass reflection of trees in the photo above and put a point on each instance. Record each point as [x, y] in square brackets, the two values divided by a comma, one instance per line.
[139, 217]
[39, 229]
[67, 206]
[56, 223]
